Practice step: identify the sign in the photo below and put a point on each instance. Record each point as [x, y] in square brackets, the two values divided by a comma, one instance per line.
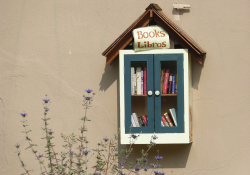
[152, 37]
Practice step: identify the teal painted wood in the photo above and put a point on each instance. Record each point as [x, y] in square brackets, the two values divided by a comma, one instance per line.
[180, 93]
[127, 89]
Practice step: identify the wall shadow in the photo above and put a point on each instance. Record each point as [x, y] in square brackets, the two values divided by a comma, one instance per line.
[196, 72]
[110, 75]
[174, 155]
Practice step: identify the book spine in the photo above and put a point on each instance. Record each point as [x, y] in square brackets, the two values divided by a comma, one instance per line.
[132, 81]
[162, 124]
[173, 114]
[138, 79]
[144, 118]
[165, 84]
[173, 84]
[142, 122]
[168, 119]
[135, 120]
[170, 84]
[176, 83]
[142, 74]
[135, 87]
[162, 75]
[163, 119]
[145, 81]
[132, 121]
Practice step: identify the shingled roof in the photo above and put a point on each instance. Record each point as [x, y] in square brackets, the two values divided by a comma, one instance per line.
[154, 12]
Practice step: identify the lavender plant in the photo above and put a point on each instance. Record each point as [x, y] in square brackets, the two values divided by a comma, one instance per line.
[76, 157]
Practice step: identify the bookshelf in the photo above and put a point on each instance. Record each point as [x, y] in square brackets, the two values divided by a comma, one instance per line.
[157, 99]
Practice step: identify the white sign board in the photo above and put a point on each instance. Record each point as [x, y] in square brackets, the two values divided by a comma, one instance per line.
[152, 37]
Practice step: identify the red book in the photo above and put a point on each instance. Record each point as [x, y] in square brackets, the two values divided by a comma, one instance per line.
[165, 84]
[163, 119]
[145, 119]
[145, 81]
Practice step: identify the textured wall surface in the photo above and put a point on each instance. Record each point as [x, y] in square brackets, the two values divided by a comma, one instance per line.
[54, 47]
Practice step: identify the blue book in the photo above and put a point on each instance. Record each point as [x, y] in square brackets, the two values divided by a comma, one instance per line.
[173, 84]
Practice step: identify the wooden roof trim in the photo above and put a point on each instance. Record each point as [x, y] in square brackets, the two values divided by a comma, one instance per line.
[153, 11]
[130, 28]
[127, 38]
[181, 32]
[154, 6]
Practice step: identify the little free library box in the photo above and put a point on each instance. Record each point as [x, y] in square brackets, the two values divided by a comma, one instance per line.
[155, 79]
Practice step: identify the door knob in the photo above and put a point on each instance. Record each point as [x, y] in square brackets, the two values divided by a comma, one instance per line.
[150, 93]
[157, 93]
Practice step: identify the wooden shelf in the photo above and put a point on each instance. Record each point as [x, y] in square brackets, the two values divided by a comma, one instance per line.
[169, 95]
[143, 95]
[163, 95]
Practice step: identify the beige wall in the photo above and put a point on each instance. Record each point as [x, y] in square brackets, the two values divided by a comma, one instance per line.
[54, 47]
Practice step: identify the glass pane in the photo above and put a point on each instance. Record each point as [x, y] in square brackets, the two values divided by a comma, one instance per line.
[168, 93]
[139, 105]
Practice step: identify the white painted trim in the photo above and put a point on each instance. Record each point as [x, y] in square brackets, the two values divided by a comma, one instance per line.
[163, 138]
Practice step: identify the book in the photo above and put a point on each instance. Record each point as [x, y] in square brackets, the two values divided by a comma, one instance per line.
[145, 81]
[135, 117]
[163, 119]
[132, 81]
[132, 121]
[176, 83]
[162, 124]
[173, 85]
[144, 118]
[141, 121]
[170, 84]
[138, 80]
[173, 114]
[142, 75]
[165, 83]
[168, 119]
[162, 76]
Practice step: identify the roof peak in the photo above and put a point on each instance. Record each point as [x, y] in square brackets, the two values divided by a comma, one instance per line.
[154, 6]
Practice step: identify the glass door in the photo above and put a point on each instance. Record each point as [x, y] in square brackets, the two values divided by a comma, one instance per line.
[139, 96]
[169, 93]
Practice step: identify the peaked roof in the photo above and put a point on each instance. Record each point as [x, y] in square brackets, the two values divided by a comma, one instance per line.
[154, 12]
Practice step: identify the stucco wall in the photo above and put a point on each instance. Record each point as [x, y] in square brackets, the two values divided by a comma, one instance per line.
[54, 47]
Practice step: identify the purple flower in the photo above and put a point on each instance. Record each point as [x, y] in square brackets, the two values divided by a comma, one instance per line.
[145, 168]
[137, 168]
[85, 151]
[71, 152]
[97, 174]
[134, 136]
[158, 157]
[51, 132]
[23, 114]
[88, 91]
[87, 98]
[105, 139]
[153, 143]
[145, 160]
[46, 100]
[46, 109]
[17, 145]
[153, 165]
[154, 137]
[41, 155]
[156, 172]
